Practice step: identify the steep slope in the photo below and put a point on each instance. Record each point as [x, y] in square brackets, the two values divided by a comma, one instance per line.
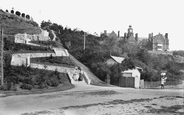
[21, 77]
[94, 80]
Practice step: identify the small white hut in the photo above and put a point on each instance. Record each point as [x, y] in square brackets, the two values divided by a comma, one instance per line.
[130, 78]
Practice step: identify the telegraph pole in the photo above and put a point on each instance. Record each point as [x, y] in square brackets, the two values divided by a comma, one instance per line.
[1, 59]
[84, 41]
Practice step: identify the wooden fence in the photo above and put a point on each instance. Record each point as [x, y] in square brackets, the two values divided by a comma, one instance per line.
[155, 84]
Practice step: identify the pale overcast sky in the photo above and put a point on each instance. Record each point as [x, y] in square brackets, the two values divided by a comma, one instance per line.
[145, 16]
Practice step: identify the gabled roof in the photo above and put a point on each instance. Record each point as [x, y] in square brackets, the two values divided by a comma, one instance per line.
[117, 59]
[159, 38]
[112, 35]
[142, 38]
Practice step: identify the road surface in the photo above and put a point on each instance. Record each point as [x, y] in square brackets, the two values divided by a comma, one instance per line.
[89, 100]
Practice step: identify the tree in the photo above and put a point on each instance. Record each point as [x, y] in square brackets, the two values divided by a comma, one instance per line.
[126, 64]
[115, 73]
[51, 35]
[179, 52]
[54, 27]
[23, 15]
[101, 70]
[45, 25]
[118, 68]
[17, 13]
[27, 16]
[12, 11]
[143, 56]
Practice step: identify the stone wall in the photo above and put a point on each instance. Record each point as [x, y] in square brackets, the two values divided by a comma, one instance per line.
[72, 72]
[52, 68]
[24, 58]
[24, 38]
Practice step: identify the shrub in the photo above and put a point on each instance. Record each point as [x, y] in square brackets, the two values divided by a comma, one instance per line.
[26, 86]
[1, 88]
[17, 13]
[23, 15]
[12, 11]
[27, 16]
[53, 81]
[34, 23]
[6, 86]
[54, 60]
[32, 78]
[10, 45]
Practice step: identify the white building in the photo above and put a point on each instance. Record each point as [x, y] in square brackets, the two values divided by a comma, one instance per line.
[129, 78]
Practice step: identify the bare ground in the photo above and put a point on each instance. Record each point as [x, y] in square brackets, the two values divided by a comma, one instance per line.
[96, 100]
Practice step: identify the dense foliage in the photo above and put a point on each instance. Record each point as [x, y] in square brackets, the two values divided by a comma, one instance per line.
[98, 50]
[47, 43]
[65, 61]
[180, 53]
[9, 45]
[28, 78]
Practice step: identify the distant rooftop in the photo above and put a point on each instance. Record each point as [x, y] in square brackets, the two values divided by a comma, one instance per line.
[118, 59]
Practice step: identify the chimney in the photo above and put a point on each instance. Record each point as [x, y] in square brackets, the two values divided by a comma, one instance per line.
[167, 40]
[136, 36]
[125, 35]
[149, 36]
[166, 35]
[105, 32]
[118, 34]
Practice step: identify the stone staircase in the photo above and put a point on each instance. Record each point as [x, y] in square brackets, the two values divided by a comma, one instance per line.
[19, 59]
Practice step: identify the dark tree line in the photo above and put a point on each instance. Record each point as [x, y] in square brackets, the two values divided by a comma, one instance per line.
[18, 13]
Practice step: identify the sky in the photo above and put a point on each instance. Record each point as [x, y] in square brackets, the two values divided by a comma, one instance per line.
[145, 16]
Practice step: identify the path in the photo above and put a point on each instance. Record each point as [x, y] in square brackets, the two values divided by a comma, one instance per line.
[81, 95]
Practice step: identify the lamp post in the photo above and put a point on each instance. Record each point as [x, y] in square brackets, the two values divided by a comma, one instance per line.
[84, 41]
[2, 74]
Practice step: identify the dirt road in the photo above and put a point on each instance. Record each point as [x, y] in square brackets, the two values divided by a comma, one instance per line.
[96, 100]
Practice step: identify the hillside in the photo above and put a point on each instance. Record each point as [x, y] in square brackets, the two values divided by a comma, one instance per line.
[98, 50]
[13, 24]
[21, 77]
[32, 78]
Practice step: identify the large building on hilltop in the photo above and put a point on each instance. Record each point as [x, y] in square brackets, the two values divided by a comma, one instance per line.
[159, 42]
[153, 43]
[110, 35]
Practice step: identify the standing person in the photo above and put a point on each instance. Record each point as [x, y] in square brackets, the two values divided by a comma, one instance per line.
[81, 74]
[163, 80]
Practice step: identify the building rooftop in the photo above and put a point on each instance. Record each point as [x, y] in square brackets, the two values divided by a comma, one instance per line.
[118, 59]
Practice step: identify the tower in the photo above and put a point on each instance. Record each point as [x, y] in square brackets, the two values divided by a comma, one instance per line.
[130, 31]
